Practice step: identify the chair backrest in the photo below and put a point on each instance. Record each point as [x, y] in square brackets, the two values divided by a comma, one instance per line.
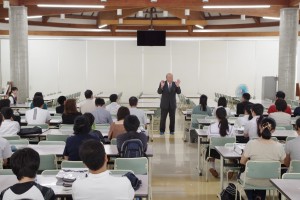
[6, 172]
[50, 172]
[289, 138]
[48, 162]
[62, 137]
[287, 127]
[51, 143]
[12, 137]
[66, 126]
[19, 142]
[42, 126]
[274, 139]
[132, 149]
[137, 165]
[72, 164]
[220, 141]
[294, 166]
[263, 169]
[280, 128]
[291, 176]
[113, 141]
[119, 172]
[194, 122]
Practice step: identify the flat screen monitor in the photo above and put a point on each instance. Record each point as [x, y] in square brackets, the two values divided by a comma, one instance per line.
[151, 38]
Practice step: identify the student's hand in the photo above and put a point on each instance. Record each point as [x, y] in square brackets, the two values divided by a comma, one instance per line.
[162, 84]
[178, 83]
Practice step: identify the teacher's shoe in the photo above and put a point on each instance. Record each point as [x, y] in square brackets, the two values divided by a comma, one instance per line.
[162, 133]
[171, 133]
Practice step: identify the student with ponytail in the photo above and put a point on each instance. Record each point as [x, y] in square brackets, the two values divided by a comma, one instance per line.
[218, 129]
[262, 149]
[251, 127]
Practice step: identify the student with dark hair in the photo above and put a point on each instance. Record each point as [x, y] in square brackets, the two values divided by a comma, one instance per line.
[113, 107]
[99, 184]
[37, 115]
[242, 120]
[81, 129]
[222, 102]
[297, 111]
[8, 126]
[133, 101]
[61, 101]
[202, 108]
[70, 112]
[89, 104]
[13, 96]
[25, 164]
[272, 108]
[240, 107]
[251, 127]
[292, 147]
[6, 103]
[94, 132]
[39, 94]
[102, 116]
[131, 124]
[219, 129]
[281, 118]
[262, 149]
[117, 128]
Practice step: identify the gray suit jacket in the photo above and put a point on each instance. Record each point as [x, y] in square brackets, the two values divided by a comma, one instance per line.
[168, 98]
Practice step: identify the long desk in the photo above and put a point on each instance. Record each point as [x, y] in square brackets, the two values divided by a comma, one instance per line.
[149, 96]
[61, 191]
[156, 100]
[149, 105]
[290, 188]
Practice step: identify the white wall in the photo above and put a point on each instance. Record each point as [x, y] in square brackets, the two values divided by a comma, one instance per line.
[203, 65]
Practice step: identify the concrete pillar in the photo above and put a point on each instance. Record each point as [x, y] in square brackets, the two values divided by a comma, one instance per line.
[289, 19]
[18, 36]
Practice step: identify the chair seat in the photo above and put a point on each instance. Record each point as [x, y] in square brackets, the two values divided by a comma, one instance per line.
[256, 187]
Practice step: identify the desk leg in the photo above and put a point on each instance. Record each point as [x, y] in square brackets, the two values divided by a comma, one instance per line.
[222, 173]
[150, 178]
[199, 149]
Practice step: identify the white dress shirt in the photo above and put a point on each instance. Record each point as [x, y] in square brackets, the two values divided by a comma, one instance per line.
[113, 108]
[214, 130]
[5, 150]
[37, 116]
[281, 118]
[251, 128]
[140, 114]
[87, 106]
[227, 111]
[9, 127]
[102, 186]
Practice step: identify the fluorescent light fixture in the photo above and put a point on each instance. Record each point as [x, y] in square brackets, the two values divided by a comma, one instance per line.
[272, 18]
[199, 26]
[102, 26]
[119, 12]
[187, 12]
[153, 0]
[69, 6]
[30, 17]
[236, 6]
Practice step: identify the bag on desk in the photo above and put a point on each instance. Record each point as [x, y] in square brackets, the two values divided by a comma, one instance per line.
[30, 131]
[135, 182]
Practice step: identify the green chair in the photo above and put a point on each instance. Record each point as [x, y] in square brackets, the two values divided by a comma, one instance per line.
[137, 165]
[12, 137]
[119, 172]
[50, 172]
[66, 126]
[62, 137]
[259, 170]
[217, 141]
[42, 126]
[280, 128]
[294, 166]
[287, 127]
[72, 164]
[19, 142]
[113, 141]
[48, 162]
[51, 143]
[6, 172]
[291, 176]
[289, 138]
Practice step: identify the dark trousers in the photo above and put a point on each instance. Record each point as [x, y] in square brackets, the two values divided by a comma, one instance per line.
[163, 117]
[252, 194]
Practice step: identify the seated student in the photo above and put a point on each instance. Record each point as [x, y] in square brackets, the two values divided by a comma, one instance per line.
[292, 147]
[240, 107]
[70, 112]
[94, 132]
[297, 111]
[89, 104]
[242, 121]
[131, 124]
[133, 101]
[6, 103]
[280, 116]
[99, 184]
[61, 101]
[219, 129]
[117, 128]
[262, 149]
[39, 94]
[251, 127]
[25, 164]
[102, 116]
[5, 150]
[8, 126]
[202, 108]
[81, 129]
[113, 106]
[222, 102]
[279, 95]
[13, 96]
[37, 115]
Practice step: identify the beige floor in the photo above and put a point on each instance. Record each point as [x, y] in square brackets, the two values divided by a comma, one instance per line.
[174, 169]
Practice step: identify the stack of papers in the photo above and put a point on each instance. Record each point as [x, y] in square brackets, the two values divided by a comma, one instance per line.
[239, 148]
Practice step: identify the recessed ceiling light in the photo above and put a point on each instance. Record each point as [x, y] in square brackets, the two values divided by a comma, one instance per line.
[199, 26]
[69, 6]
[102, 26]
[272, 18]
[30, 17]
[236, 6]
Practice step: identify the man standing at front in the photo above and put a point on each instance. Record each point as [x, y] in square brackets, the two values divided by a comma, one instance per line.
[168, 90]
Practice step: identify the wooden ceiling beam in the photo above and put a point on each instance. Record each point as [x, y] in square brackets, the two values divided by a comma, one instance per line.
[155, 22]
[241, 26]
[294, 3]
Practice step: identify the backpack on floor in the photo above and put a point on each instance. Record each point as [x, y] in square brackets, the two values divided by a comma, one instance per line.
[229, 193]
[132, 149]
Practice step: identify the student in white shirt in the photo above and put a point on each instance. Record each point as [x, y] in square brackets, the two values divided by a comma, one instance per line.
[37, 115]
[219, 129]
[251, 127]
[13, 95]
[133, 101]
[222, 102]
[292, 147]
[242, 121]
[8, 126]
[281, 117]
[89, 104]
[5, 151]
[113, 107]
[99, 184]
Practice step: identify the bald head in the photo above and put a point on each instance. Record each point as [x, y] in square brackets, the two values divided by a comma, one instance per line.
[169, 77]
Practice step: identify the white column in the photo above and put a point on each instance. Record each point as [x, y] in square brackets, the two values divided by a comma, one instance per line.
[289, 19]
[18, 35]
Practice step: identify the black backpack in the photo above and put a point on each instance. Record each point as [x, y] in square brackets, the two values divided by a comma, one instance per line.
[132, 149]
[30, 131]
[229, 193]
